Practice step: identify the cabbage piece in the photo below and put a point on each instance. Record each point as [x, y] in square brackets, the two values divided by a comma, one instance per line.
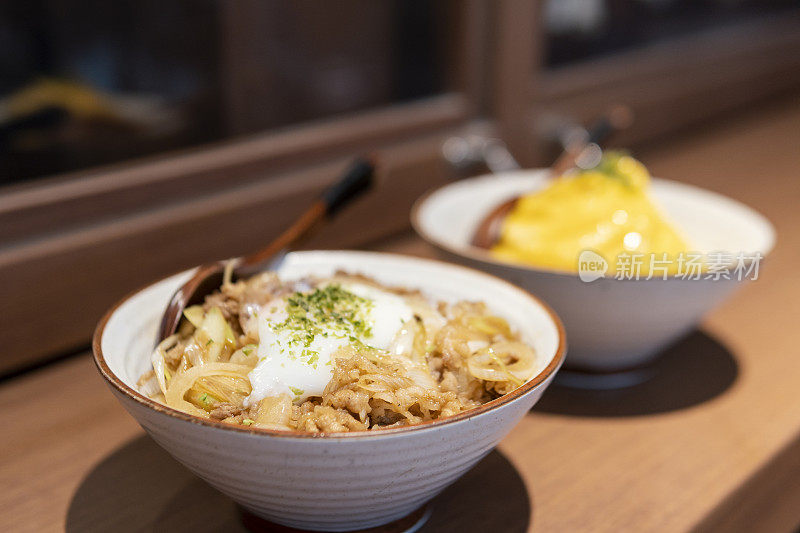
[194, 314]
[213, 334]
[274, 412]
[158, 359]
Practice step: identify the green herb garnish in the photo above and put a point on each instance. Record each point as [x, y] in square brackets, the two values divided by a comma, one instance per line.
[323, 311]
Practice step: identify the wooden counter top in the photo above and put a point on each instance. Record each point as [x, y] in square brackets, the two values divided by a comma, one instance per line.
[712, 442]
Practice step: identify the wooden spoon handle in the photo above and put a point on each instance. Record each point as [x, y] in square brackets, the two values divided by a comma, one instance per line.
[488, 232]
[208, 278]
[355, 181]
[352, 184]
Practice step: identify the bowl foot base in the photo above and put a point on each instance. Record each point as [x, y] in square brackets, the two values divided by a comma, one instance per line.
[588, 380]
[407, 524]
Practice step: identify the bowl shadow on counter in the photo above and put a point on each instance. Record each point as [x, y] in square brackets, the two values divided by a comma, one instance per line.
[694, 370]
[140, 487]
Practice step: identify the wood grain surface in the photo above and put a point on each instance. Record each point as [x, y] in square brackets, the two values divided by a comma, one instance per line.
[711, 443]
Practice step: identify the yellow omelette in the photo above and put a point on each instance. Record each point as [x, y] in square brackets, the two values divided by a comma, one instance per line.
[606, 209]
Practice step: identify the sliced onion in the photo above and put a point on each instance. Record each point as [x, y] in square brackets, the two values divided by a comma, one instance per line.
[503, 361]
[408, 349]
[490, 325]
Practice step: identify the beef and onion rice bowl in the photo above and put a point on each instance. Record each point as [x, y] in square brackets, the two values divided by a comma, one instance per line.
[334, 354]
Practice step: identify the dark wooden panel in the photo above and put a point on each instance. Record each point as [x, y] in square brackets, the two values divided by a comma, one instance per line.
[513, 52]
[73, 200]
[678, 83]
[71, 244]
[55, 289]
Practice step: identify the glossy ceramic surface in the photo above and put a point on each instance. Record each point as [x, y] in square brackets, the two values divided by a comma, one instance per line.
[344, 481]
[611, 324]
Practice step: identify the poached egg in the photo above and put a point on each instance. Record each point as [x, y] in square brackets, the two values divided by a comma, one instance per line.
[299, 334]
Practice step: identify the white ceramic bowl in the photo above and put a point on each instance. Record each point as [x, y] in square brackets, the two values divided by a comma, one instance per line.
[343, 481]
[612, 324]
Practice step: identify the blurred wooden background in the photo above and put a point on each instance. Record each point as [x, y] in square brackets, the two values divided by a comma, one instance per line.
[260, 105]
[408, 75]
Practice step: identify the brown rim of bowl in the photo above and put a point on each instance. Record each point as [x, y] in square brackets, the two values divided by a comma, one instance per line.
[527, 387]
[482, 255]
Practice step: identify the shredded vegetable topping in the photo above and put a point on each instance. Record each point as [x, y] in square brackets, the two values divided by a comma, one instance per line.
[440, 360]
